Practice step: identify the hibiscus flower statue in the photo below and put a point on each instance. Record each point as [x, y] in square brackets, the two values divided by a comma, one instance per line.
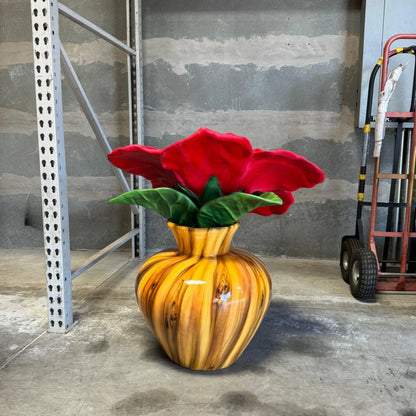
[205, 300]
[211, 179]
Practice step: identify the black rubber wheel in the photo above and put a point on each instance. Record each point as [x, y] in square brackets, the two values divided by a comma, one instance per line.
[363, 273]
[349, 245]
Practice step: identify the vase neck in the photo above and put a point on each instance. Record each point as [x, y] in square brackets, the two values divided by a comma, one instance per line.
[203, 242]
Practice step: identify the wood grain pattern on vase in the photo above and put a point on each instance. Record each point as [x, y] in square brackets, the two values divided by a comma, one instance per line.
[203, 301]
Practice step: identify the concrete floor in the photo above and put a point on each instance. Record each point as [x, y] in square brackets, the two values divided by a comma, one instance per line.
[318, 352]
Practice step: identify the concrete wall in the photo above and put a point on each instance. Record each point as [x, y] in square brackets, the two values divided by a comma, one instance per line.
[282, 73]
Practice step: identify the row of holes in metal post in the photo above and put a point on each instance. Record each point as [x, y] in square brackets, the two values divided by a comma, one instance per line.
[42, 124]
[44, 10]
[48, 238]
[52, 241]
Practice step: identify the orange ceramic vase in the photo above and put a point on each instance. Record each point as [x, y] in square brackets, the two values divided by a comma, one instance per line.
[203, 301]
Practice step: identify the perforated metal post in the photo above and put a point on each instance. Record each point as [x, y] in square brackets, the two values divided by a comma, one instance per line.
[48, 56]
[46, 46]
[135, 67]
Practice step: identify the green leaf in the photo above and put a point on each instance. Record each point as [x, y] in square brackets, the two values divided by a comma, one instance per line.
[212, 190]
[227, 210]
[171, 204]
[194, 198]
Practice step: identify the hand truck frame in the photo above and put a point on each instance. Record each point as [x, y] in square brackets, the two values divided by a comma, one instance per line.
[362, 267]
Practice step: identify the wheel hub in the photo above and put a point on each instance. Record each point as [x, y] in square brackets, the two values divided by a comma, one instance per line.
[355, 272]
[345, 260]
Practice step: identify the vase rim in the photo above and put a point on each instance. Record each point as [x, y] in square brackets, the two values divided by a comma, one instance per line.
[203, 242]
[236, 224]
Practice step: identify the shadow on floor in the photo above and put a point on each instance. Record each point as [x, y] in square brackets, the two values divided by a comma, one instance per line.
[284, 328]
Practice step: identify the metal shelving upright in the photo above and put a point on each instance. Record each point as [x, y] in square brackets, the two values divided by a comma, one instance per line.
[49, 59]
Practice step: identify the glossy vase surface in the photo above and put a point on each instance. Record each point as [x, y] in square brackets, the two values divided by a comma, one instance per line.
[203, 301]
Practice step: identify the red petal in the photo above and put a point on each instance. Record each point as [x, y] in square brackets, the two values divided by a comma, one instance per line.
[205, 153]
[280, 172]
[143, 161]
[287, 199]
[280, 169]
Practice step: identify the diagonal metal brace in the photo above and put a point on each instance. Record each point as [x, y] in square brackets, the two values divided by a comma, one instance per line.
[70, 14]
[91, 117]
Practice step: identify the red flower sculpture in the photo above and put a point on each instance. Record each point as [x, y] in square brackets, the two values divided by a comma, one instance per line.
[191, 163]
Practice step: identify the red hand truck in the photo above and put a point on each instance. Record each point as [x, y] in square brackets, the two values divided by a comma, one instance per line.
[366, 269]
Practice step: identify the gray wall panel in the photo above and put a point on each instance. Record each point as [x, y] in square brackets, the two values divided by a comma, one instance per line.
[283, 74]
